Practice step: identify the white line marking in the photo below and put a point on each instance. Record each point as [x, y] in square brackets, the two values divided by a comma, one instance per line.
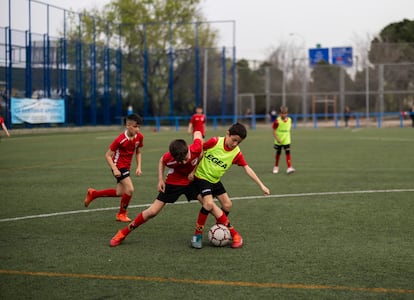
[186, 202]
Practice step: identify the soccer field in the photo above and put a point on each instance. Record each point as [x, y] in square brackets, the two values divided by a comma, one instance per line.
[340, 227]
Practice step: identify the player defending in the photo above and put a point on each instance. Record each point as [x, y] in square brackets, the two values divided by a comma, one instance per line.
[181, 161]
[281, 134]
[119, 157]
[220, 153]
[197, 122]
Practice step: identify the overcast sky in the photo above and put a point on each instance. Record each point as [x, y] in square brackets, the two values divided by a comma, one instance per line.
[258, 26]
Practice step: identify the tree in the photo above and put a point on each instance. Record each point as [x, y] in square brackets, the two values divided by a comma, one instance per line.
[152, 35]
[394, 49]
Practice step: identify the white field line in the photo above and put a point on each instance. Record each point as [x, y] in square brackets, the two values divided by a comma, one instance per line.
[186, 202]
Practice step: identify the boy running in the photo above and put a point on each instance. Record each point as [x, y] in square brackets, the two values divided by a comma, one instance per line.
[119, 157]
[220, 153]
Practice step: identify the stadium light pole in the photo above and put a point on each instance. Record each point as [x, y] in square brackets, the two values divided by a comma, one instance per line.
[305, 72]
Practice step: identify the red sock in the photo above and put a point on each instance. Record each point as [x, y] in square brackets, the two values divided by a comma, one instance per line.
[201, 221]
[138, 221]
[124, 203]
[223, 220]
[277, 158]
[289, 164]
[104, 193]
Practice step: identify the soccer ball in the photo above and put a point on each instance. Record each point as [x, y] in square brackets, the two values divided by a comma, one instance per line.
[219, 235]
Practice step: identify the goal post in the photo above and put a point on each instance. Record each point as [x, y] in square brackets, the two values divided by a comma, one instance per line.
[327, 102]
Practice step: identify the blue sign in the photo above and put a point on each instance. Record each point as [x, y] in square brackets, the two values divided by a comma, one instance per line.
[342, 56]
[37, 111]
[317, 55]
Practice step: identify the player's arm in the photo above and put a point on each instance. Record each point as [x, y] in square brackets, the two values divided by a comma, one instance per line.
[190, 127]
[197, 136]
[138, 159]
[5, 129]
[161, 168]
[274, 127]
[252, 174]
[108, 157]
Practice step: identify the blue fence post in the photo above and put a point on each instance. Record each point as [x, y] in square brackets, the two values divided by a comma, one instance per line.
[379, 120]
[315, 122]
[28, 70]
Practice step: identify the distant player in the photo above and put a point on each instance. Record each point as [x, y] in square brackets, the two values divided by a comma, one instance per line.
[197, 122]
[281, 134]
[220, 153]
[119, 157]
[3, 125]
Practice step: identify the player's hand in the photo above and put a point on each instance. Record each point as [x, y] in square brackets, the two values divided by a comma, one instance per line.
[266, 191]
[138, 172]
[191, 176]
[117, 173]
[161, 186]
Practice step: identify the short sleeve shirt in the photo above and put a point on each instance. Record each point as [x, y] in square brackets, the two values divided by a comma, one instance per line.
[177, 171]
[125, 148]
[198, 121]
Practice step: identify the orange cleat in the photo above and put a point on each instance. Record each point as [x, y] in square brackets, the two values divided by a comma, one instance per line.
[117, 239]
[122, 217]
[89, 197]
[237, 241]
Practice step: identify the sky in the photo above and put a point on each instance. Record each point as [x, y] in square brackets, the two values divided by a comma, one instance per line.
[256, 27]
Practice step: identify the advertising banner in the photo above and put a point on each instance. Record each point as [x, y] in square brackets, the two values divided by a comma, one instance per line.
[37, 111]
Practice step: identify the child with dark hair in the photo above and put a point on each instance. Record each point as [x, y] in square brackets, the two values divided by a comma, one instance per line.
[119, 157]
[220, 153]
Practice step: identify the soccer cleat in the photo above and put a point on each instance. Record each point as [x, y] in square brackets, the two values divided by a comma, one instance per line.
[117, 239]
[196, 241]
[122, 217]
[89, 198]
[237, 241]
[290, 170]
[275, 170]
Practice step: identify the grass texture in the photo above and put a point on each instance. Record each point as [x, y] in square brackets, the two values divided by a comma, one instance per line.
[340, 227]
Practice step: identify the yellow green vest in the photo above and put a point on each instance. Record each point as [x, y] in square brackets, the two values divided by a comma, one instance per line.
[216, 161]
[283, 131]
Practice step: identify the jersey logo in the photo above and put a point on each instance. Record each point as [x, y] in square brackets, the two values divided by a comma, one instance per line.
[216, 161]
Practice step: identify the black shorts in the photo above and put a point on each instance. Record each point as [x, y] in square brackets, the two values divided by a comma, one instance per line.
[207, 188]
[173, 192]
[124, 174]
[280, 147]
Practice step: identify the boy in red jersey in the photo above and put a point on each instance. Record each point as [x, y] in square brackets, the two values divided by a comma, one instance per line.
[220, 153]
[3, 125]
[197, 122]
[180, 160]
[281, 134]
[119, 157]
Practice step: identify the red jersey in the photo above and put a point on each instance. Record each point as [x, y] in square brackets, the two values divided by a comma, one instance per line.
[1, 120]
[238, 159]
[178, 172]
[125, 148]
[198, 121]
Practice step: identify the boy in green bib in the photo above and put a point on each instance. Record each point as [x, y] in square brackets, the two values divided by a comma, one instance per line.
[281, 134]
[219, 154]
